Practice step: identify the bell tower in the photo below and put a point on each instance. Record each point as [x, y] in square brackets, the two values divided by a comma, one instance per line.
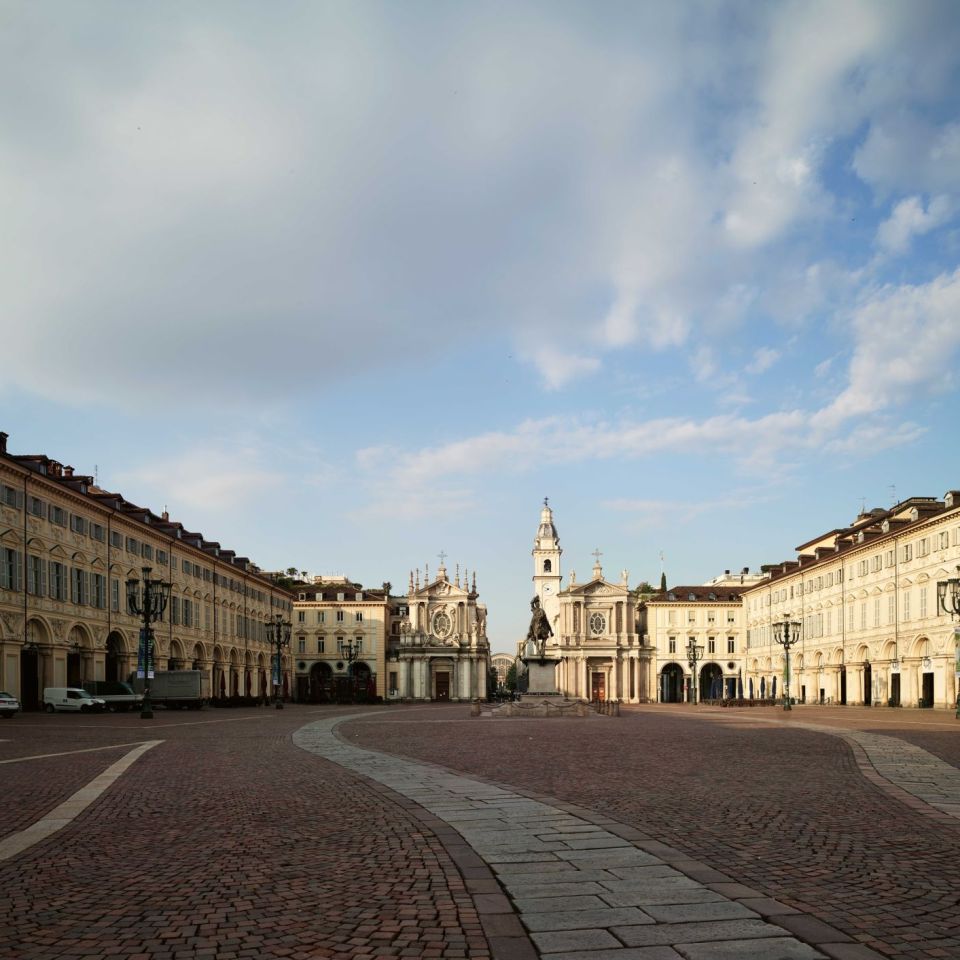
[546, 567]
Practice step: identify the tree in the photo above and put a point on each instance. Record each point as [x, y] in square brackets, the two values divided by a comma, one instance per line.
[511, 682]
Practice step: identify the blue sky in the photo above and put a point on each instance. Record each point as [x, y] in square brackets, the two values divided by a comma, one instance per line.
[345, 284]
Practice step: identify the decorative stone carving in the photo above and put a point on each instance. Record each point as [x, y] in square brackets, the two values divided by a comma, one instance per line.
[12, 624]
[58, 627]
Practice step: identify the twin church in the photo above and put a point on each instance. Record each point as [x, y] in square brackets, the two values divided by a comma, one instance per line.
[598, 652]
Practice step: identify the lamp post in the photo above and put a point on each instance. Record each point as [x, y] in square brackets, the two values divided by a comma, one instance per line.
[787, 633]
[948, 600]
[350, 652]
[694, 654]
[147, 600]
[278, 635]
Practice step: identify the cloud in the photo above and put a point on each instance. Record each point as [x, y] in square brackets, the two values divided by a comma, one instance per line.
[763, 359]
[910, 219]
[906, 341]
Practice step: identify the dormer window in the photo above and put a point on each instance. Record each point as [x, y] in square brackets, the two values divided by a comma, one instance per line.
[340, 597]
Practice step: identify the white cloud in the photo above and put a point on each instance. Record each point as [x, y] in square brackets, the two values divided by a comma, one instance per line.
[906, 341]
[910, 219]
[763, 359]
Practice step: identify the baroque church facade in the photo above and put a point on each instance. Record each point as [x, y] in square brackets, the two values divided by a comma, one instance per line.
[440, 650]
[599, 653]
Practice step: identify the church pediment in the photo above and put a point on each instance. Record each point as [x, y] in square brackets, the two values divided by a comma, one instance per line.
[598, 588]
[441, 590]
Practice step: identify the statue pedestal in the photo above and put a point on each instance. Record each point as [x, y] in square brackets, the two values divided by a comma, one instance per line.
[541, 678]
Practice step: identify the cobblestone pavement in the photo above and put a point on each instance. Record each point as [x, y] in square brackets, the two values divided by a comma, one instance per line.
[782, 809]
[223, 842]
[584, 886]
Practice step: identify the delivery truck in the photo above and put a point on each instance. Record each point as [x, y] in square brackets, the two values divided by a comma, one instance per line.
[176, 689]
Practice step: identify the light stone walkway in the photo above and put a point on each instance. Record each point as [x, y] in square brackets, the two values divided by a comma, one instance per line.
[582, 891]
[911, 768]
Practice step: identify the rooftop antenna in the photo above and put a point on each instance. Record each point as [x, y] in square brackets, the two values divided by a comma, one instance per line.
[96, 476]
[893, 493]
[863, 506]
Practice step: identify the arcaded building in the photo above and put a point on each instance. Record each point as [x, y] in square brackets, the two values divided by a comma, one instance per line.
[67, 548]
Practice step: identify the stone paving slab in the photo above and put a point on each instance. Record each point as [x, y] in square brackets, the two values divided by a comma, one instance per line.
[569, 890]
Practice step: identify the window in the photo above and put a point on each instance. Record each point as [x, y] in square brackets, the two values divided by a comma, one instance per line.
[393, 681]
[132, 546]
[10, 569]
[711, 616]
[711, 645]
[923, 547]
[99, 591]
[162, 557]
[923, 602]
[672, 644]
[36, 507]
[876, 563]
[175, 610]
[301, 644]
[359, 616]
[78, 524]
[891, 608]
[340, 597]
[79, 586]
[339, 616]
[907, 554]
[187, 612]
[944, 540]
[37, 576]
[862, 568]
[731, 617]
[320, 645]
[97, 532]
[863, 616]
[547, 566]
[876, 612]
[320, 616]
[114, 594]
[358, 643]
[116, 540]
[146, 551]
[57, 515]
[598, 623]
[731, 645]
[301, 616]
[906, 604]
[11, 497]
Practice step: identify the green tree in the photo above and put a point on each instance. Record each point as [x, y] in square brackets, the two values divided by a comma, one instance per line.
[511, 682]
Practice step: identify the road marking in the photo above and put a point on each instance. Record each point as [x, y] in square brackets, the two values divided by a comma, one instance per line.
[72, 807]
[70, 753]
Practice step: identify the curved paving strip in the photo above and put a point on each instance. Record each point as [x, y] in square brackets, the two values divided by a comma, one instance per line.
[904, 770]
[585, 887]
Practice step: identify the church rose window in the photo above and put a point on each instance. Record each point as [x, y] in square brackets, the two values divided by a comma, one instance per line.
[598, 623]
[442, 625]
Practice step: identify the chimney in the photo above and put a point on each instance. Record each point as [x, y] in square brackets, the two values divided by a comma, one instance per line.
[68, 471]
[726, 573]
[746, 569]
[3, 441]
[165, 517]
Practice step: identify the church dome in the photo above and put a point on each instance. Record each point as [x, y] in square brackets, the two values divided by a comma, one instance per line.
[547, 529]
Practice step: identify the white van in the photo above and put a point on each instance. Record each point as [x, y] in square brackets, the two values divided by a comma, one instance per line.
[71, 698]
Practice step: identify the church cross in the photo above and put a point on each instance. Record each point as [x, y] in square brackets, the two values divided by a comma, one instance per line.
[442, 557]
[597, 555]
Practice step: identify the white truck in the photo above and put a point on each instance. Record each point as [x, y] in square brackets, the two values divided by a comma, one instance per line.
[119, 696]
[176, 689]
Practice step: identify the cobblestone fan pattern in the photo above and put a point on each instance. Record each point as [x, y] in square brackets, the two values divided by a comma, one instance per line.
[783, 810]
[582, 890]
[226, 842]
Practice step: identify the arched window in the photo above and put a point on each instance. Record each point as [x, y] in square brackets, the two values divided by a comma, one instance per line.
[547, 566]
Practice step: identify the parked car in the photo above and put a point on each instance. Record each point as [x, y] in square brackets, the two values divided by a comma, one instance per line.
[71, 698]
[118, 695]
[9, 705]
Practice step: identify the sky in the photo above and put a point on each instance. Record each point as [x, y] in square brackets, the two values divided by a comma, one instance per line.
[345, 285]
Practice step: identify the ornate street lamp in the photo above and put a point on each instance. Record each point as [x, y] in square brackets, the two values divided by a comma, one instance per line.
[948, 600]
[694, 654]
[787, 633]
[147, 600]
[278, 636]
[350, 652]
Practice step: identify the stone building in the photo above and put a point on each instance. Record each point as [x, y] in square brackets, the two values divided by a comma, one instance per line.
[712, 617]
[334, 620]
[501, 663]
[438, 648]
[865, 597]
[599, 653]
[67, 548]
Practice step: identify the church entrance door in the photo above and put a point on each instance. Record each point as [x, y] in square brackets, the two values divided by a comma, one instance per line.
[443, 686]
[598, 686]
